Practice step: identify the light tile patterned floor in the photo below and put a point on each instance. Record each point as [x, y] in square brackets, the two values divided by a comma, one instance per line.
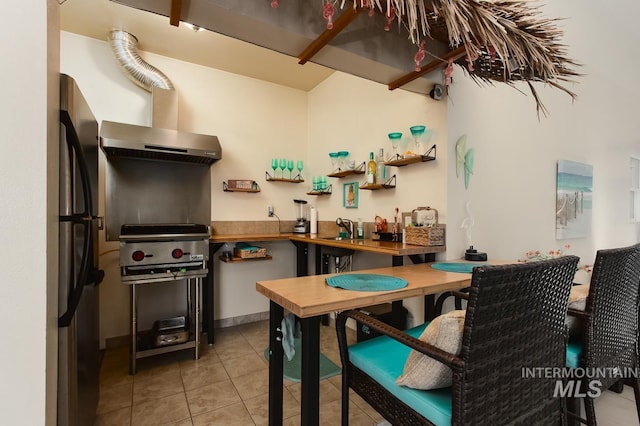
[228, 386]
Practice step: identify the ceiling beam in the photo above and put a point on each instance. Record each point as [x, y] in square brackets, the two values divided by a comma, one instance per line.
[176, 10]
[327, 35]
[454, 55]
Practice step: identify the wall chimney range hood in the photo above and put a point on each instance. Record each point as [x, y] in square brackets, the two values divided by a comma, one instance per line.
[162, 141]
[153, 143]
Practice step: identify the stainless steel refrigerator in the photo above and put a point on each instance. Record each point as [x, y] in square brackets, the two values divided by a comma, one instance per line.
[78, 334]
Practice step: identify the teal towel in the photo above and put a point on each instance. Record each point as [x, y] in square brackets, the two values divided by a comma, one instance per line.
[366, 282]
[287, 327]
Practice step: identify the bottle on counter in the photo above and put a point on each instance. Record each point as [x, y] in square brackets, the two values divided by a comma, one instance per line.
[360, 229]
[381, 169]
[371, 170]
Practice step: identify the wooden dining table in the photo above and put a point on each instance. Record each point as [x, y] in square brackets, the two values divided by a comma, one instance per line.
[311, 297]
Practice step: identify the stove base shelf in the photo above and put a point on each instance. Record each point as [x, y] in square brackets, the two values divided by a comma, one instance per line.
[157, 350]
[141, 345]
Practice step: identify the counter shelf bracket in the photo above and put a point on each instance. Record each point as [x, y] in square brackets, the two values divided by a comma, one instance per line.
[296, 179]
[325, 191]
[430, 155]
[359, 170]
[388, 184]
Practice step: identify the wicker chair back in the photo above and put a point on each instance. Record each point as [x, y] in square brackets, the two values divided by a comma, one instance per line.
[515, 319]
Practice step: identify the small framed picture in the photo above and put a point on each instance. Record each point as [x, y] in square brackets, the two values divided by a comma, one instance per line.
[406, 219]
[350, 195]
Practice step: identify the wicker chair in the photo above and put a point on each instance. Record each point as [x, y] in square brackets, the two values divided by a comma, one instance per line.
[515, 319]
[610, 322]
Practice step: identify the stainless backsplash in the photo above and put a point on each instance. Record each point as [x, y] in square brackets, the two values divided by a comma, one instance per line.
[148, 191]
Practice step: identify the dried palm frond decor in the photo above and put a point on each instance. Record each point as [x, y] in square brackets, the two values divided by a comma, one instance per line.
[505, 41]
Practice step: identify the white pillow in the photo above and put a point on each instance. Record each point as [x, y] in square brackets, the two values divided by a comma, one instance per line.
[578, 296]
[423, 372]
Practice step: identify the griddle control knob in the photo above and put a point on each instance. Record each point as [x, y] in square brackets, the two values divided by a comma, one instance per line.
[177, 253]
[137, 255]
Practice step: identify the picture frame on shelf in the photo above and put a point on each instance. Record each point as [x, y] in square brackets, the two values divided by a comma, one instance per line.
[350, 195]
[406, 219]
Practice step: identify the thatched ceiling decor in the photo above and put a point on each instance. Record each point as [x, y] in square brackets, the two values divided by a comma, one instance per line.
[505, 41]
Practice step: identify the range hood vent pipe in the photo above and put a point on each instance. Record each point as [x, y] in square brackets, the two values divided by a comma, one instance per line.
[145, 75]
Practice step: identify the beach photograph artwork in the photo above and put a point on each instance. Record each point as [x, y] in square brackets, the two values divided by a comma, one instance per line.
[574, 192]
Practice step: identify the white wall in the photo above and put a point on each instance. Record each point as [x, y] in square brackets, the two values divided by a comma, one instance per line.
[352, 114]
[512, 191]
[28, 271]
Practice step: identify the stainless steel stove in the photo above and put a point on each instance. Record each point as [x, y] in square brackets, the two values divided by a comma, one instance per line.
[151, 253]
[161, 252]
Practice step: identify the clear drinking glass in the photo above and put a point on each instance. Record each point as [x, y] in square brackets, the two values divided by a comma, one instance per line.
[395, 139]
[334, 160]
[290, 168]
[283, 165]
[343, 159]
[274, 165]
[417, 132]
[299, 165]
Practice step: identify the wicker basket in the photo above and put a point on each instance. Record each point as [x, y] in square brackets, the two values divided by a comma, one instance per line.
[248, 254]
[424, 235]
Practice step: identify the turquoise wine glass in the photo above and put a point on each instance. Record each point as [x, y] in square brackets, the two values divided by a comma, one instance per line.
[274, 165]
[417, 132]
[299, 165]
[283, 165]
[290, 168]
[395, 139]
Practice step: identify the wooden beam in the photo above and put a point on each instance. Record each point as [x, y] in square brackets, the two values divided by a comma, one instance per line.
[453, 55]
[323, 39]
[176, 10]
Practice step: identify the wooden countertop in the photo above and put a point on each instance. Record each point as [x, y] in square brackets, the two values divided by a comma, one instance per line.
[367, 245]
[311, 296]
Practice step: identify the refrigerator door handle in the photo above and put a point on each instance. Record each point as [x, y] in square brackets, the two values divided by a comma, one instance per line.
[83, 219]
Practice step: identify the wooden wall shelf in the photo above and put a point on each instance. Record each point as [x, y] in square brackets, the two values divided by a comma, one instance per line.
[254, 188]
[388, 184]
[429, 156]
[357, 171]
[327, 191]
[236, 259]
[296, 179]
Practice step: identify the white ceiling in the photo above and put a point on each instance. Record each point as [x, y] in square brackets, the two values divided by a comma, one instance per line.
[95, 18]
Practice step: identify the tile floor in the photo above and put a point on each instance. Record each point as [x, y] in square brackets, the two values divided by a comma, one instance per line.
[228, 385]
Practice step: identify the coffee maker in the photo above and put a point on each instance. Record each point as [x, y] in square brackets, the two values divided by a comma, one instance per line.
[302, 223]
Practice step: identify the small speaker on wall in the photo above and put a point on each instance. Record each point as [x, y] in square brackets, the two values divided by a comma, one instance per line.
[436, 92]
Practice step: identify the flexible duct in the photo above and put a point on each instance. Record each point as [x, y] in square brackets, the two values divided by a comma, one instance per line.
[145, 75]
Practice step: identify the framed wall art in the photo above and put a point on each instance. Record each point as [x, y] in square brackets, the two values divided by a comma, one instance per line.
[574, 192]
[350, 195]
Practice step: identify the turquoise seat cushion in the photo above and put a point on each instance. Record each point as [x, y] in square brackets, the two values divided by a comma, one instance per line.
[574, 353]
[383, 359]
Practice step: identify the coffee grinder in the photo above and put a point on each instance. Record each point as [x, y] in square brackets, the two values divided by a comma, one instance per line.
[302, 223]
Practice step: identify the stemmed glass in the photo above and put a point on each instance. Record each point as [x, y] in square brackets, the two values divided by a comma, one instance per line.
[274, 165]
[417, 132]
[299, 165]
[290, 168]
[395, 138]
[283, 165]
